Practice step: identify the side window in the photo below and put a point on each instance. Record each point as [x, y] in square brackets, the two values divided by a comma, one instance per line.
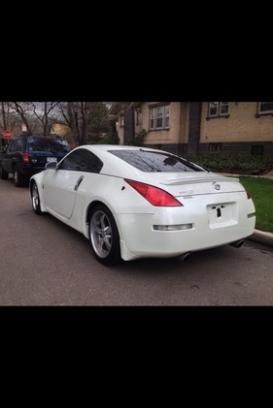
[82, 160]
[17, 145]
[10, 147]
[71, 162]
[20, 145]
[90, 162]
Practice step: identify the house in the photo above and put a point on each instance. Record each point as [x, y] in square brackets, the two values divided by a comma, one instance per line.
[197, 127]
[60, 129]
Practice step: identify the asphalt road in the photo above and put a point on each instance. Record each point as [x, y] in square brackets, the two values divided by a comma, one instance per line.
[44, 262]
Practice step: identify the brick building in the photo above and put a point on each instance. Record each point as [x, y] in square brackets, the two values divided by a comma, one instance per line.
[196, 127]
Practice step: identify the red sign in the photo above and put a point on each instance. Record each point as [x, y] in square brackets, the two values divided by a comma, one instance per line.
[7, 134]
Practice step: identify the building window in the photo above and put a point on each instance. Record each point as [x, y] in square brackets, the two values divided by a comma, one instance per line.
[215, 147]
[213, 109]
[223, 106]
[159, 117]
[265, 108]
[218, 109]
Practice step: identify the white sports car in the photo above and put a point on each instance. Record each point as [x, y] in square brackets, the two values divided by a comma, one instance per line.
[133, 202]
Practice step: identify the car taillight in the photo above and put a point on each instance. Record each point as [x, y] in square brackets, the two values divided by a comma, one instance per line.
[154, 195]
[248, 195]
[25, 157]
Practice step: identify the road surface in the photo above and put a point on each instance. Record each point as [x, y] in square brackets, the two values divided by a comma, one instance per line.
[44, 262]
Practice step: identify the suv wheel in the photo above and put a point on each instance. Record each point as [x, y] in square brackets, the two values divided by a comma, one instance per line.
[19, 179]
[4, 174]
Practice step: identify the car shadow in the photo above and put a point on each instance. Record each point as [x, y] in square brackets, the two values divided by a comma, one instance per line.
[167, 265]
[205, 259]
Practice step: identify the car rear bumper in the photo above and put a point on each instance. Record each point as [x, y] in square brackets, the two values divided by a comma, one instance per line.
[140, 239]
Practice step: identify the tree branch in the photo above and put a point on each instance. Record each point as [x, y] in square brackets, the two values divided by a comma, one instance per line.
[19, 109]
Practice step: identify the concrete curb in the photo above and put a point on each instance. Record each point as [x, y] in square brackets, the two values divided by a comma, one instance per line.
[262, 237]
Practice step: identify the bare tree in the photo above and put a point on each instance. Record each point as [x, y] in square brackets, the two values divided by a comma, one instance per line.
[43, 115]
[86, 120]
[4, 118]
[7, 116]
[77, 117]
[22, 109]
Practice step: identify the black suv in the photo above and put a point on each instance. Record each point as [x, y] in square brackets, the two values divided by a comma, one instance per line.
[27, 155]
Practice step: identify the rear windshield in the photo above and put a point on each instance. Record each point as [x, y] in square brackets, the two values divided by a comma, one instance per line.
[150, 161]
[47, 144]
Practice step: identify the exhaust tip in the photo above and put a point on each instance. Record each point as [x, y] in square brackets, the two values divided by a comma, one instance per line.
[186, 256]
[238, 244]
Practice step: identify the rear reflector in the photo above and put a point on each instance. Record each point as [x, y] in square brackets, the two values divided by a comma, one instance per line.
[156, 196]
[172, 227]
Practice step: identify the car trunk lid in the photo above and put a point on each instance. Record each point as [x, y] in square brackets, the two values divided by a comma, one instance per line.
[194, 183]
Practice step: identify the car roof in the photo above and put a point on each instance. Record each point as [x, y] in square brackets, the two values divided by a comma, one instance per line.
[107, 147]
[113, 165]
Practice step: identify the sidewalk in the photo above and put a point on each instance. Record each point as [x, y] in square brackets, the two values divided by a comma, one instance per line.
[262, 237]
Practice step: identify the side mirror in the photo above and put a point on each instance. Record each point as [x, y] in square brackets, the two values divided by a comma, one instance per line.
[51, 165]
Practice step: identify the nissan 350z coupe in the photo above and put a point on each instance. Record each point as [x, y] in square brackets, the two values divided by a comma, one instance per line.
[134, 202]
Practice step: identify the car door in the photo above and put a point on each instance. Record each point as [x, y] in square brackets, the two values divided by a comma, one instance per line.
[7, 159]
[61, 185]
[13, 154]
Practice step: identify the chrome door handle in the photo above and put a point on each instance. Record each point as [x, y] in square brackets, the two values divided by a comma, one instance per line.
[78, 183]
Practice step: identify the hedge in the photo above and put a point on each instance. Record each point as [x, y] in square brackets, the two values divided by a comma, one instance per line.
[234, 163]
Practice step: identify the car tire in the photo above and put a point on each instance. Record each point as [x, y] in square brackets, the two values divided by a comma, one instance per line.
[104, 236]
[19, 179]
[4, 174]
[35, 199]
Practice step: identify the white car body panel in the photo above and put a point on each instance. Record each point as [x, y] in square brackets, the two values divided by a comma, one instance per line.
[135, 216]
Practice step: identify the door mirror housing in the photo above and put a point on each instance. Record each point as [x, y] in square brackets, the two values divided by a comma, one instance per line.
[51, 165]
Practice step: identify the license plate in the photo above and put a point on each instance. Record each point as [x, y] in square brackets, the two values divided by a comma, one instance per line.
[222, 215]
[51, 159]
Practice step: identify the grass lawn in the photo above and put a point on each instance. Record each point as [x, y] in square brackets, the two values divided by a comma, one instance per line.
[261, 191]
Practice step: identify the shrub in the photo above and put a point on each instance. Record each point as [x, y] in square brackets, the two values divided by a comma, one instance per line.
[234, 163]
[139, 137]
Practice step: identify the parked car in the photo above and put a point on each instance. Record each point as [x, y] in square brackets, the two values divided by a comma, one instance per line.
[27, 155]
[133, 202]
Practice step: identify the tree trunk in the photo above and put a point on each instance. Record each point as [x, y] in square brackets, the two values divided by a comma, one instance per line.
[83, 123]
[72, 119]
[129, 125]
[21, 112]
[45, 120]
[4, 115]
